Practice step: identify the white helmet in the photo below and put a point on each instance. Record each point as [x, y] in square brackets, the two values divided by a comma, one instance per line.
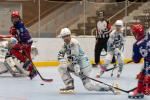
[65, 32]
[13, 40]
[119, 23]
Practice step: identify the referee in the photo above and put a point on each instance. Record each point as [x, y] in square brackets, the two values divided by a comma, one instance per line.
[103, 28]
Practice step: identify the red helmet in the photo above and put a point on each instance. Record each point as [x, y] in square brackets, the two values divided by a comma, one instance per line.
[138, 31]
[15, 14]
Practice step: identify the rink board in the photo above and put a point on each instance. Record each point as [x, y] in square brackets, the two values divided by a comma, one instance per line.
[56, 63]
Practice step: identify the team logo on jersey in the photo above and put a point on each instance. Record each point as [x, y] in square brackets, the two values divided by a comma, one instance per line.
[148, 46]
[143, 52]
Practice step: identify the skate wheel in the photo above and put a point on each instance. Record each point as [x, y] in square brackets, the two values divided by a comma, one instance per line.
[136, 97]
[67, 92]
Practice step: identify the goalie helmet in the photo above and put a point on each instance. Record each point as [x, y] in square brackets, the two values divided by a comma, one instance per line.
[99, 12]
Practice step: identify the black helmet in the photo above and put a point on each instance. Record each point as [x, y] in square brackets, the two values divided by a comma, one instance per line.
[99, 12]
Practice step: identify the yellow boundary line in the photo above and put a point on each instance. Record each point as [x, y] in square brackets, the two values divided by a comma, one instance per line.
[56, 63]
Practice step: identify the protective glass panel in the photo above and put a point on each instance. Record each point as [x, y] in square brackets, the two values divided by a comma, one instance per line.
[56, 15]
[137, 12]
[5, 15]
[112, 11]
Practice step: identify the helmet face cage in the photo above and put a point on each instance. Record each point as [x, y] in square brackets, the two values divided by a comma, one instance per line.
[119, 23]
[118, 26]
[65, 36]
[15, 14]
[138, 31]
[100, 13]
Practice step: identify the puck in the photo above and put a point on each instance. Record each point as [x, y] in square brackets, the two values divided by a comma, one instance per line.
[41, 84]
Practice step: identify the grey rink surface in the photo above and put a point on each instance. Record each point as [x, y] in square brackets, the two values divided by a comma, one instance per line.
[26, 89]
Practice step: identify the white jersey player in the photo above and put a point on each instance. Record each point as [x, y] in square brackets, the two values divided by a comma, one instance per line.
[77, 63]
[114, 46]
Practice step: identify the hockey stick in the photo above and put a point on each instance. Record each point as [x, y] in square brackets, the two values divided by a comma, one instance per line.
[117, 66]
[125, 91]
[42, 78]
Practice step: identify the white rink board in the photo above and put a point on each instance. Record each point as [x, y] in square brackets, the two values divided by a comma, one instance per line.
[49, 47]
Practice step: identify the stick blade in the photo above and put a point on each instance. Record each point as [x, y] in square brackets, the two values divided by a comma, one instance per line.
[47, 80]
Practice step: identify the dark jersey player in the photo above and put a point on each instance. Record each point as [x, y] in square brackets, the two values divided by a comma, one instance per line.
[20, 32]
[141, 49]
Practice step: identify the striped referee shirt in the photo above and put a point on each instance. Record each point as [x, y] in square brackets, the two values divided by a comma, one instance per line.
[102, 29]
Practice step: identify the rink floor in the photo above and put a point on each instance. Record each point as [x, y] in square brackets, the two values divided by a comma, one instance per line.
[25, 89]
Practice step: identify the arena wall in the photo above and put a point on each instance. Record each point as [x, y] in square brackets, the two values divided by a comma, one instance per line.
[49, 47]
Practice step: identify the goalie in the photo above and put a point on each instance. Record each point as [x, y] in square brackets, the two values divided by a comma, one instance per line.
[17, 64]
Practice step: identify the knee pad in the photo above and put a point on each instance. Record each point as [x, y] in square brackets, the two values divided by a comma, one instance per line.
[147, 79]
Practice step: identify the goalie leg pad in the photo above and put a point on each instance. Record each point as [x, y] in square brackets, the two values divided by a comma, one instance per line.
[10, 64]
[19, 66]
[3, 68]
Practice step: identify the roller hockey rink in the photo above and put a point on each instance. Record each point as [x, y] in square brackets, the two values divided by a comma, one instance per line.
[26, 89]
